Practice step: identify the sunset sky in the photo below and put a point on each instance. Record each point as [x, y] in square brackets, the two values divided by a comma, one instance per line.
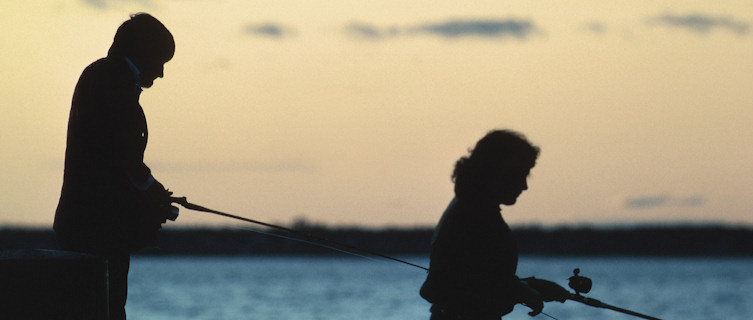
[354, 112]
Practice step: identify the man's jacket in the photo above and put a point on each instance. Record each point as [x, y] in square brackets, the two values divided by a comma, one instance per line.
[107, 135]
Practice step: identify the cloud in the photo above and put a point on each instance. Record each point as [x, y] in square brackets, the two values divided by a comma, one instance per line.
[490, 28]
[663, 201]
[369, 32]
[450, 29]
[104, 4]
[700, 23]
[594, 27]
[269, 30]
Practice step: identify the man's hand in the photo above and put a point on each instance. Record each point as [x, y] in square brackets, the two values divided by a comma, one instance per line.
[161, 200]
[158, 195]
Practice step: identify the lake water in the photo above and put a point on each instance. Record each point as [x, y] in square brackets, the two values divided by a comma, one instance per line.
[318, 288]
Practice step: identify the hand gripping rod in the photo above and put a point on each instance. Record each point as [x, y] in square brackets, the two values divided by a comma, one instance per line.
[317, 239]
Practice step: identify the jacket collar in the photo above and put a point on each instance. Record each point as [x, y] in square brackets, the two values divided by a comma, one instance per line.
[136, 72]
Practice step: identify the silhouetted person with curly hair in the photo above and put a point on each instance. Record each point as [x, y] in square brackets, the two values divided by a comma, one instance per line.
[474, 256]
[110, 204]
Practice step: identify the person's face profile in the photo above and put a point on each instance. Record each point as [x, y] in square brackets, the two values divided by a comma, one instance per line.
[151, 71]
[151, 63]
[508, 182]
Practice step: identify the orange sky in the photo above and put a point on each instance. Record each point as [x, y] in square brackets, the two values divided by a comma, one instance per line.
[354, 113]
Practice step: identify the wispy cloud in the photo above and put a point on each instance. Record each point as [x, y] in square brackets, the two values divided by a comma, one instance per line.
[700, 23]
[490, 28]
[369, 32]
[105, 4]
[449, 29]
[660, 201]
[269, 30]
[594, 27]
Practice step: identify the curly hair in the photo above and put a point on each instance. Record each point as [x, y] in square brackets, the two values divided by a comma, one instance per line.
[496, 149]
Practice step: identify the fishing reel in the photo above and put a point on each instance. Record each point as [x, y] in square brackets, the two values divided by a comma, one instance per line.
[578, 283]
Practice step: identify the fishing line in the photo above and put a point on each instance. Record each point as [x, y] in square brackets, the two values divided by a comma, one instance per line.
[548, 315]
[541, 313]
[307, 242]
[318, 240]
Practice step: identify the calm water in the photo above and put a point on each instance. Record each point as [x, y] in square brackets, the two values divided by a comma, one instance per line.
[304, 288]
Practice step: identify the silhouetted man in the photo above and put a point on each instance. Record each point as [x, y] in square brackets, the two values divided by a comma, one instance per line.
[110, 204]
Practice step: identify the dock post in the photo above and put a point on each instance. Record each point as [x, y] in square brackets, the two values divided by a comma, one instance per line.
[51, 284]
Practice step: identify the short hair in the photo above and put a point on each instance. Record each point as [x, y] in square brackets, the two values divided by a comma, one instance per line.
[495, 150]
[143, 32]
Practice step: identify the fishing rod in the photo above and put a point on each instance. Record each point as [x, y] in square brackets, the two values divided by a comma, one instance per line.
[578, 283]
[583, 284]
[183, 201]
[331, 244]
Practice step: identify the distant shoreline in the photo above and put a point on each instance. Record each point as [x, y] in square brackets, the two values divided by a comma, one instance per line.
[637, 240]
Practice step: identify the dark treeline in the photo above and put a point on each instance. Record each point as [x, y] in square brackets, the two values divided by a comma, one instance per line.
[638, 241]
[559, 241]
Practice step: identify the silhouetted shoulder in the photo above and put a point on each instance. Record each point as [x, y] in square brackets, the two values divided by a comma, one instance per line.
[107, 71]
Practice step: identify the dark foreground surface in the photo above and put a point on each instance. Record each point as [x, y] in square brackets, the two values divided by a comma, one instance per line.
[555, 241]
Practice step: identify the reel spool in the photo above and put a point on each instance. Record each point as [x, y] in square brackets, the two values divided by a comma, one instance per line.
[578, 283]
